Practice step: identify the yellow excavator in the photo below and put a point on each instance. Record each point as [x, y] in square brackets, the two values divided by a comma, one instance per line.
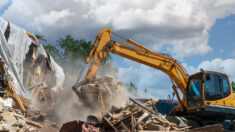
[207, 95]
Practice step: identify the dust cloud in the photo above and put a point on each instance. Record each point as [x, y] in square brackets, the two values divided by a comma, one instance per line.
[64, 105]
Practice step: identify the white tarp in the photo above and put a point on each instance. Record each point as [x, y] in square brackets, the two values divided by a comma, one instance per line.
[6, 53]
[14, 53]
[59, 74]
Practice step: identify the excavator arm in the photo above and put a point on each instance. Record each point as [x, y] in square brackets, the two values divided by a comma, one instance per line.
[136, 52]
[100, 49]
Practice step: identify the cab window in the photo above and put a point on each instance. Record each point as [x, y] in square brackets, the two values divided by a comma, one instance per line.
[216, 86]
[194, 91]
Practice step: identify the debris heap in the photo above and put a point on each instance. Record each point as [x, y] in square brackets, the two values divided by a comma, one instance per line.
[12, 120]
[132, 117]
[107, 90]
[141, 117]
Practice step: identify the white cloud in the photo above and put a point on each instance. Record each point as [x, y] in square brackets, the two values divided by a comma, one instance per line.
[163, 13]
[217, 8]
[54, 17]
[175, 23]
[184, 48]
[218, 64]
[58, 18]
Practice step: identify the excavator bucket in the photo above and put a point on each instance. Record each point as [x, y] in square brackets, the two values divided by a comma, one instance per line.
[81, 80]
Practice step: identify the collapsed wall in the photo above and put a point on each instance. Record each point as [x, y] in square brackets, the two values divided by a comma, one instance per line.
[27, 62]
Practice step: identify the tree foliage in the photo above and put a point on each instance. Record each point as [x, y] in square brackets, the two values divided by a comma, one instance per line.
[73, 49]
[69, 49]
[69, 52]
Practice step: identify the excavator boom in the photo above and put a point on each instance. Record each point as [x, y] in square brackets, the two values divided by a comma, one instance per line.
[136, 52]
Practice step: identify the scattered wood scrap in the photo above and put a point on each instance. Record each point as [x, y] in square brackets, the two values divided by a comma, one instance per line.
[136, 117]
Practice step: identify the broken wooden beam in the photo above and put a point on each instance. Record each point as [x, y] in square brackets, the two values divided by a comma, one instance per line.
[124, 127]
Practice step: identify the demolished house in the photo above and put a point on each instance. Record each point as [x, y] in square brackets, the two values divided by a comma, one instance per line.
[27, 70]
[29, 75]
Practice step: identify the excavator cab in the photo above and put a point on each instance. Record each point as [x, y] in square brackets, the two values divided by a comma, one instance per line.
[210, 93]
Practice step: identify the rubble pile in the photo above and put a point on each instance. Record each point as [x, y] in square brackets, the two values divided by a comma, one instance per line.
[132, 117]
[141, 117]
[42, 118]
[13, 120]
[107, 90]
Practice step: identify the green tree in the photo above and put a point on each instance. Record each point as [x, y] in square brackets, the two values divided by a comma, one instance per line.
[74, 49]
[233, 85]
[69, 52]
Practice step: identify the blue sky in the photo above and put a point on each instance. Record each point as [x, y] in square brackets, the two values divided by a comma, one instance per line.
[200, 34]
[222, 40]
[222, 37]
[5, 6]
